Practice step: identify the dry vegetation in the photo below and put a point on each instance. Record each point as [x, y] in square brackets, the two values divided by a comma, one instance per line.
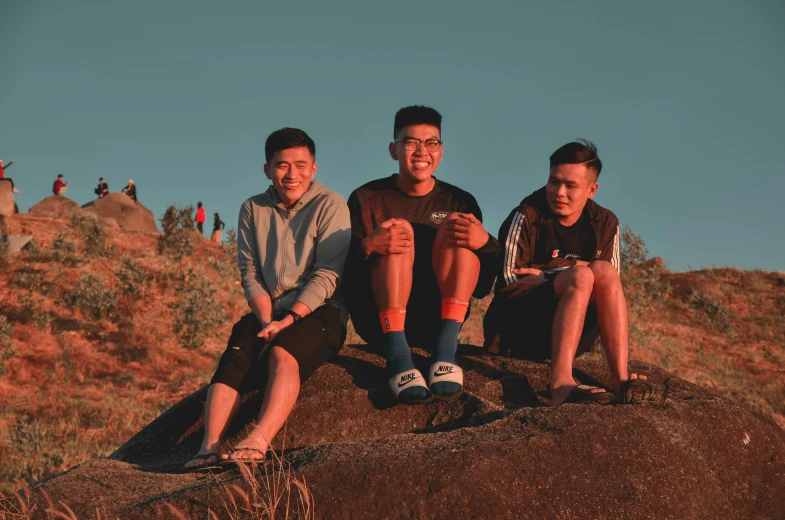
[100, 331]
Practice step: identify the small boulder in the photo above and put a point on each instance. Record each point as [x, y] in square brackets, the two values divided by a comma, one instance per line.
[127, 214]
[55, 206]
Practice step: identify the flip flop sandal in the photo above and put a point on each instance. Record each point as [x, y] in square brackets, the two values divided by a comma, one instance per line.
[245, 460]
[409, 379]
[634, 391]
[205, 466]
[442, 372]
[582, 394]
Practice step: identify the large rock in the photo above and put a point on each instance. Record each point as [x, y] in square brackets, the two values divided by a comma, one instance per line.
[129, 215]
[55, 206]
[7, 204]
[497, 452]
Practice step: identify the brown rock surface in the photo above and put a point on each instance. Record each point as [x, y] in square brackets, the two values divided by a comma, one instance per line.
[497, 452]
[7, 204]
[127, 214]
[54, 206]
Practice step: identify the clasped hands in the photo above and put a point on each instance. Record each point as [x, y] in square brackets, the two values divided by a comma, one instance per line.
[394, 236]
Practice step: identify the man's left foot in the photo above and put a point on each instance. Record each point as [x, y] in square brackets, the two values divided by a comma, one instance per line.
[246, 451]
[445, 380]
[635, 390]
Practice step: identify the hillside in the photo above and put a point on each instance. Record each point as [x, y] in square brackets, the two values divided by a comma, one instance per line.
[86, 363]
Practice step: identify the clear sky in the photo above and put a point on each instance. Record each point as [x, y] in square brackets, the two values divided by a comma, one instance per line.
[685, 101]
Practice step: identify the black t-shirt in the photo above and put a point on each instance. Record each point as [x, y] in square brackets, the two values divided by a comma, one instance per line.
[576, 242]
[381, 200]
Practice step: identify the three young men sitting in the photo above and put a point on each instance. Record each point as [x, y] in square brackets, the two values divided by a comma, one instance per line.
[415, 252]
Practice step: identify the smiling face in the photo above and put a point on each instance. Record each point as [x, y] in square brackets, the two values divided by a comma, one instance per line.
[569, 187]
[416, 167]
[291, 172]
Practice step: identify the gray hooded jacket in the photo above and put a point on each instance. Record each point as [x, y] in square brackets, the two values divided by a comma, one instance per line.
[294, 254]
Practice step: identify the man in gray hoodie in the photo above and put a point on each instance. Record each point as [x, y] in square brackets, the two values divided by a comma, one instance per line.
[292, 243]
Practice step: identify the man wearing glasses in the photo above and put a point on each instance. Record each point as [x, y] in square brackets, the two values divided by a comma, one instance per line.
[419, 252]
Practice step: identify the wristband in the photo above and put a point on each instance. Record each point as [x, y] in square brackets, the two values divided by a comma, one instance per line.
[295, 317]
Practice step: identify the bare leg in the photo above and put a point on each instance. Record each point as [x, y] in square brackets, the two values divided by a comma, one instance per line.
[283, 387]
[612, 317]
[391, 279]
[574, 288]
[456, 268]
[221, 405]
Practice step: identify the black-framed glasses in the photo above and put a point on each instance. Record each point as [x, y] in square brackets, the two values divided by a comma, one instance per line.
[431, 145]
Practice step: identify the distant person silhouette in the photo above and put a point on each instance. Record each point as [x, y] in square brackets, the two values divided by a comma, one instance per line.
[2, 175]
[218, 226]
[102, 189]
[130, 190]
[60, 186]
[200, 217]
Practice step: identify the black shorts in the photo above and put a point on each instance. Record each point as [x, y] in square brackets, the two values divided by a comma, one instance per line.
[524, 325]
[312, 341]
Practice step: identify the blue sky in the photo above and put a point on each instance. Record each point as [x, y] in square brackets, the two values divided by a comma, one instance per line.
[685, 102]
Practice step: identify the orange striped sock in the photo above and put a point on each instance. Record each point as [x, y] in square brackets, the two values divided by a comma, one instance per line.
[454, 309]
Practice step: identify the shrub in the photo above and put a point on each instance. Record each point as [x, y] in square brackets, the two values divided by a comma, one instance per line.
[29, 279]
[92, 233]
[719, 316]
[91, 297]
[27, 308]
[226, 264]
[7, 349]
[63, 250]
[197, 313]
[176, 235]
[642, 279]
[131, 276]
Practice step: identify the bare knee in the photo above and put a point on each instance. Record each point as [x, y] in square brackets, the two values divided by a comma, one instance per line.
[605, 275]
[281, 360]
[579, 278]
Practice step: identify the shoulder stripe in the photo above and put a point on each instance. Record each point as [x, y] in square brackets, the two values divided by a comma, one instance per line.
[616, 258]
[511, 248]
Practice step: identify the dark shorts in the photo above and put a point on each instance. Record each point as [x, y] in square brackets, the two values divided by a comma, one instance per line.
[522, 327]
[312, 341]
[423, 319]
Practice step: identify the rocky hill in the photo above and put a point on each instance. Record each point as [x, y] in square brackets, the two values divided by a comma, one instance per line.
[94, 346]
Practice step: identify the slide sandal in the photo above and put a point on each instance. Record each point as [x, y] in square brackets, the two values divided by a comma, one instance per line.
[409, 379]
[442, 372]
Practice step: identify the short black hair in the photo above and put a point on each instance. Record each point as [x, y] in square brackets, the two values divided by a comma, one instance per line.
[416, 115]
[198, 204]
[286, 138]
[580, 151]
[58, 175]
[101, 178]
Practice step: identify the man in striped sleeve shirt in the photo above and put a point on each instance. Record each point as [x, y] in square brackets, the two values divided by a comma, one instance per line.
[559, 283]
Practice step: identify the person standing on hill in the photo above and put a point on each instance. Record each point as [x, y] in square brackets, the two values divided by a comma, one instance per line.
[2, 175]
[103, 188]
[59, 186]
[559, 282]
[200, 217]
[218, 226]
[4, 166]
[292, 243]
[130, 190]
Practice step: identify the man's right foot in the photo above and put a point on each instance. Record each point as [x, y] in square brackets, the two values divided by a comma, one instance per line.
[405, 386]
